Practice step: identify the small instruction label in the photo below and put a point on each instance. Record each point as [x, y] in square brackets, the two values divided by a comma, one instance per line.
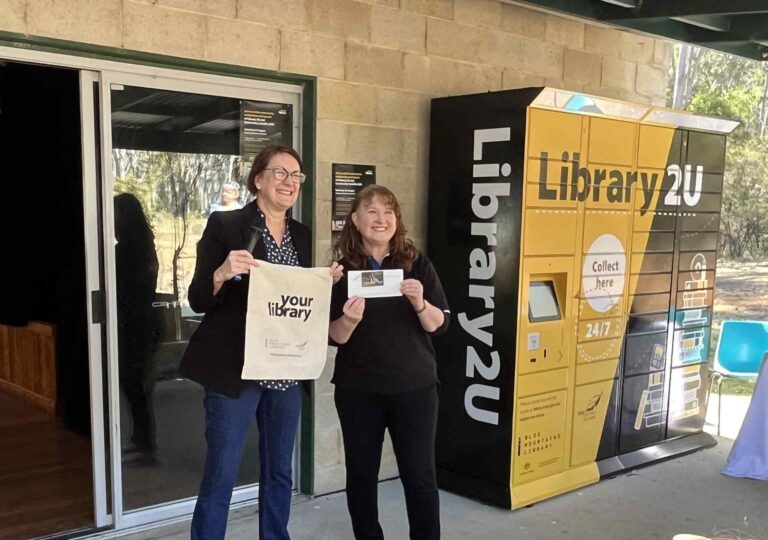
[533, 341]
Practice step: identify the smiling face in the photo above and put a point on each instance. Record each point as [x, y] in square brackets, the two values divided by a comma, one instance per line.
[229, 194]
[276, 195]
[376, 222]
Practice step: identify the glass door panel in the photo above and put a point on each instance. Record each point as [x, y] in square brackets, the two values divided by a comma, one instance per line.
[177, 156]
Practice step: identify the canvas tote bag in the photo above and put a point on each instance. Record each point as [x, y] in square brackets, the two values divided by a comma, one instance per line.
[286, 326]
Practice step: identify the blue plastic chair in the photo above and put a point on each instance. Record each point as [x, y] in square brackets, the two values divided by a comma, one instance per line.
[740, 351]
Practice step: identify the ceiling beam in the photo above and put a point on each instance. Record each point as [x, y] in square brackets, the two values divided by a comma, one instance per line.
[155, 140]
[729, 42]
[718, 23]
[742, 29]
[655, 9]
[741, 35]
[680, 31]
[623, 3]
[591, 9]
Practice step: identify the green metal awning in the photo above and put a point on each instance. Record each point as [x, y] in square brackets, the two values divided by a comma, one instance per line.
[737, 27]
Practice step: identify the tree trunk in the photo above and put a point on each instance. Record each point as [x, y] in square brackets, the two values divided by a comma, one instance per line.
[686, 75]
[680, 74]
[763, 109]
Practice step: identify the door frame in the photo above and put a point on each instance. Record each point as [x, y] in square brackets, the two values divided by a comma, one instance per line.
[93, 262]
[106, 65]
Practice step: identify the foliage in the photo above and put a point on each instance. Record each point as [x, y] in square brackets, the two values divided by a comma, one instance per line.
[174, 185]
[713, 83]
[736, 103]
[744, 221]
[142, 191]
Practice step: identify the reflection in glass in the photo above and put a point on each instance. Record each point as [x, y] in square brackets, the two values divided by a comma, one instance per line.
[228, 198]
[688, 120]
[138, 324]
[588, 104]
[177, 158]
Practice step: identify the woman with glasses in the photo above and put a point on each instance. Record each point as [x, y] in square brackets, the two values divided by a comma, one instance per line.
[385, 372]
[214, 357]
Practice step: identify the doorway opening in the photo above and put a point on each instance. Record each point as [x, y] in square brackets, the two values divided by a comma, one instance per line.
[46, 477]
[97, 430]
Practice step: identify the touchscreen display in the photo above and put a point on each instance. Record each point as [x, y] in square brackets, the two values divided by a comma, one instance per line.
[542, 302]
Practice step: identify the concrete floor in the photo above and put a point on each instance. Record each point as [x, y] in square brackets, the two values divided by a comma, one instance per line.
[686, 495]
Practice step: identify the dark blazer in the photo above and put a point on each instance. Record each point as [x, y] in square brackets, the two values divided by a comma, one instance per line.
[214, 356]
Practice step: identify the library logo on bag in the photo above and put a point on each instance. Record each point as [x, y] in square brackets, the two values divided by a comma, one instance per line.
[291, 307]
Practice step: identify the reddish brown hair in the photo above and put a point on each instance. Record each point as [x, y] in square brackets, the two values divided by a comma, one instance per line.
[261, 162]
[349, 246]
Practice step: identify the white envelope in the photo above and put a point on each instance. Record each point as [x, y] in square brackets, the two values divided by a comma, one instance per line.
[374, 283]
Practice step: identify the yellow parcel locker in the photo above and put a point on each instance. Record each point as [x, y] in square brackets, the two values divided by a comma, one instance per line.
[592, 304]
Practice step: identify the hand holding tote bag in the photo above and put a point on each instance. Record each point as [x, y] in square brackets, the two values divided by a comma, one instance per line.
[286, 326]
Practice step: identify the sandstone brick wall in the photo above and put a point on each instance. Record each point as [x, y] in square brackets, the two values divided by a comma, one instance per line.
[378, 63]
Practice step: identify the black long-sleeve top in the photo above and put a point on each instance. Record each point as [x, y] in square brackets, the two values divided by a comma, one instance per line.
[389, 351]
[215, 354]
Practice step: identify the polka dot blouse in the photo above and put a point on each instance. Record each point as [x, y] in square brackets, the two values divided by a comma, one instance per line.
[285, 254]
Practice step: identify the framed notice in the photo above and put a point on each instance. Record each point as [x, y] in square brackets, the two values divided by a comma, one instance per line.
[262, 124]
[348, 180]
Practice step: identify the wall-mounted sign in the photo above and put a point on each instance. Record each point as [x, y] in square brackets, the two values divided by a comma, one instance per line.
[262, 124]
[348, 181]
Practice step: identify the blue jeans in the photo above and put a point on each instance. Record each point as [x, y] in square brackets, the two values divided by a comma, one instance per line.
[226, 425]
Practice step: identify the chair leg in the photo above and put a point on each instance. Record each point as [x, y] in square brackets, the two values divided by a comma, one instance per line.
[719, 402]
[713, 378]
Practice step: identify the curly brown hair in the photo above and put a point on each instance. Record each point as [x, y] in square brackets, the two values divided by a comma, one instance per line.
[349, 246]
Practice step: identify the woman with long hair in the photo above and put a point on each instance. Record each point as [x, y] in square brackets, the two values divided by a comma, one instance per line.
[138, 323]
[385, 372]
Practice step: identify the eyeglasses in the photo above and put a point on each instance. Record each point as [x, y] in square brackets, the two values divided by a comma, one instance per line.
[281, 174]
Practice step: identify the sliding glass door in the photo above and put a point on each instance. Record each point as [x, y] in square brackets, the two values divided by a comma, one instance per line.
[174, 151]
[161, 150]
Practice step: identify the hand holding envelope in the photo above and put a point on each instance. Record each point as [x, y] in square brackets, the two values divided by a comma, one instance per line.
[353, 309]
[413, 290]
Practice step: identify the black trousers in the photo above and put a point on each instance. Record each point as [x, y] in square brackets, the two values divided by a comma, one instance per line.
[411, 418]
